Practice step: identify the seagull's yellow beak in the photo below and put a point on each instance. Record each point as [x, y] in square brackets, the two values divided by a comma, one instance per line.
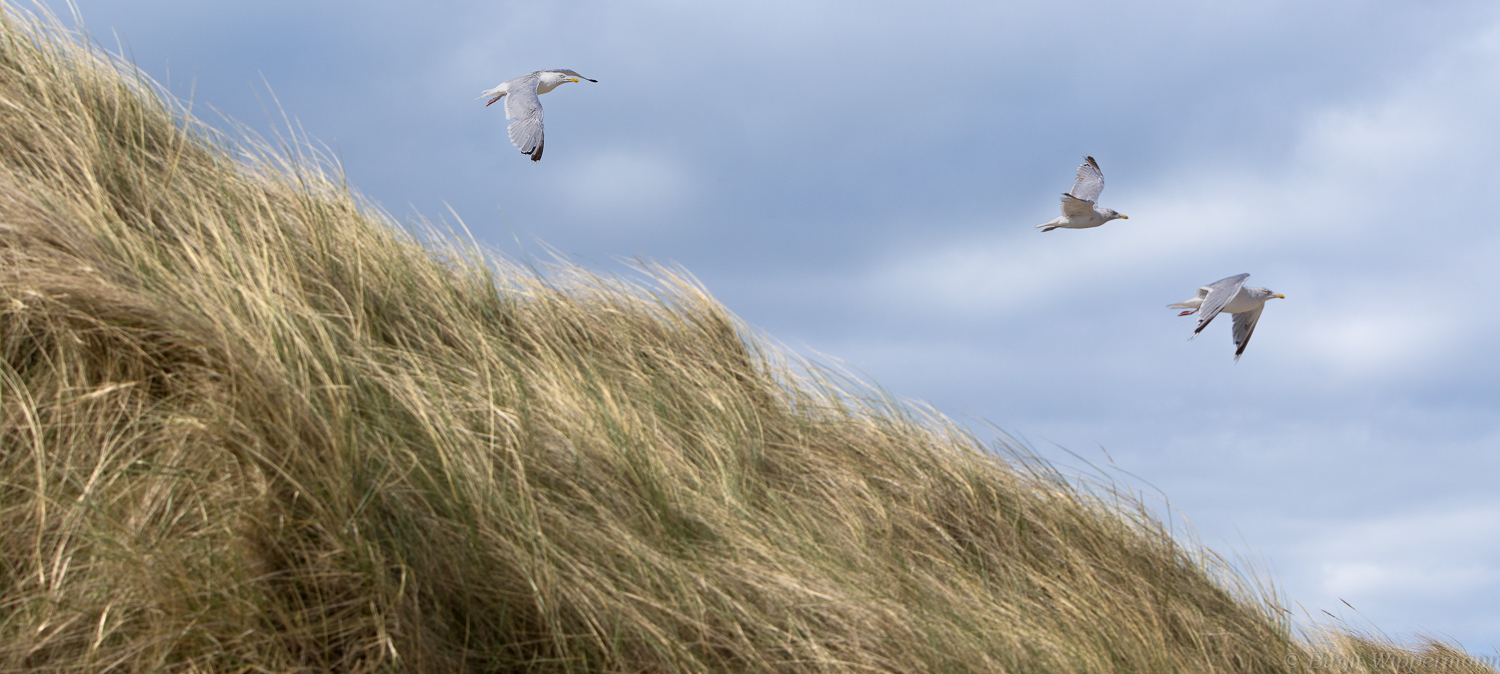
[1279, 295]
[572, 79]
[1124, 217]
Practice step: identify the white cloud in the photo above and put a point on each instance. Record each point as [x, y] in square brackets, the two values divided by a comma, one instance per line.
[1441, 553]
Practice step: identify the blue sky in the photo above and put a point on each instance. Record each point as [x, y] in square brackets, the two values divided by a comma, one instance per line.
[860, 180]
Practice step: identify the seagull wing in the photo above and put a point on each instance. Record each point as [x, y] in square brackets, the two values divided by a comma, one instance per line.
[1090, 181]
[1244, 326]
[1219, 294]
[1073, 206]
[523, 106]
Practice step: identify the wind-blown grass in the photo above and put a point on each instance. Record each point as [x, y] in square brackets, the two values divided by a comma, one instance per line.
[248, 424]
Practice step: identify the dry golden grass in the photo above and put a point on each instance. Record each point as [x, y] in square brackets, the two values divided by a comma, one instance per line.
[249, 425]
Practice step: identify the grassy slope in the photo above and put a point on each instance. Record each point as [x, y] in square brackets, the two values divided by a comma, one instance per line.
[248, 425]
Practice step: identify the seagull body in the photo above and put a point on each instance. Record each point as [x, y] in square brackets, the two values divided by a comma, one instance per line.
[1078, 210]
[523, 106]
[1229, 296]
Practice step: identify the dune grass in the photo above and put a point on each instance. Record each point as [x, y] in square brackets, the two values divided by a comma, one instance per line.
[250, 425]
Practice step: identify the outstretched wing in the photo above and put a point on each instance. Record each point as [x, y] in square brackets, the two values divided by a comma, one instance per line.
[523, 106]
[1090, 181]
[1073, 206]
[1244, 326]
[1219, 294]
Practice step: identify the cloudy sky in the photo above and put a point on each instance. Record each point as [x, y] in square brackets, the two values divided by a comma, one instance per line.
[861, 180]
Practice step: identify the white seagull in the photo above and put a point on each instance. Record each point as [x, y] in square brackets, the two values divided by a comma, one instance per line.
[1078, 210]
[525, 108]
[1229, 296]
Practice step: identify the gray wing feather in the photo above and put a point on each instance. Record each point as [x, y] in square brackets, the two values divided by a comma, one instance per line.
[1244, 326]
[1219, 294]
[1090, 181]
[1072, 206]
[523, 106]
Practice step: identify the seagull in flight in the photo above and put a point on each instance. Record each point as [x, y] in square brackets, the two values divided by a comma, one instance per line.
[1078, 210]
[525, 108]
[1229, 296]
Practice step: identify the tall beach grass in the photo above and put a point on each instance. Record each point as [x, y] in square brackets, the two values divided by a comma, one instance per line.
[248, 424]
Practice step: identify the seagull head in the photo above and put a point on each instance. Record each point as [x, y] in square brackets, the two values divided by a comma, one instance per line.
[563, 75]
[550, 79]
[1110, 214]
